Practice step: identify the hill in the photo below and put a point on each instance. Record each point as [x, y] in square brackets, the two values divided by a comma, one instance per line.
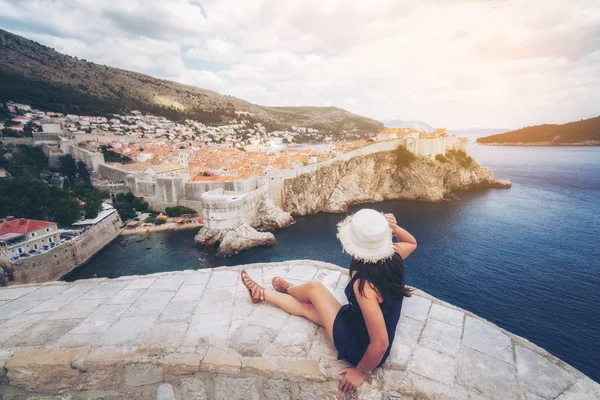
[419, 125]
[40, 76]
[584, 132]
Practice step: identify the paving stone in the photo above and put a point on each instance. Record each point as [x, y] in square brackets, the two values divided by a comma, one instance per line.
[328, 278]
[44, 370]
[447, 315]
[343, 281]
[14, 308]
[105, 290]
[540, 376]
[416, 307]
[143, 373]
[127, 330]
[223, 278]
[100, 319]
[400, 355]
[198, 278]
[189, 293]
[178, 311]
[168, 335]
[76, 340]
[208, 329]
[486, 338]
[150, 303]
[193, 388]
[217, 300]
[583, 389]
[140, 283]
[332, 366]
[251, 340]
[277, 389]
[322, 346]
[408, 330]
[20, 323]
[77, 309]
[440, 336]
[396, 381]
[168, 283]
[269, 316]
[221, 360]
[302, 272]
[233, 388]
[44, 293]
[434, 389]
[126, 296]
[182, 363]
[165, 392]
[294, 340]
[340, 296]
[243, 307]
[15, 293]
[486, 374]
[61, 300]
[433, 365]
[43, 333]
[258, 366]
[300, 368]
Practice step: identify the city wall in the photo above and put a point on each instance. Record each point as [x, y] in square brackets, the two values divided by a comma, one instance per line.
[62, 259]
[163, 192]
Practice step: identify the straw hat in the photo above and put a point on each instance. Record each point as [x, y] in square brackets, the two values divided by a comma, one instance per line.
[366, 236]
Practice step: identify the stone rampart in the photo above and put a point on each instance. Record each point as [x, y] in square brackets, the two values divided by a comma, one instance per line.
[61, 260]
[195, 335]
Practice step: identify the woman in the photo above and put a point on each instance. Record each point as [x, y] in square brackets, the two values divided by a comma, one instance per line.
[362, 330]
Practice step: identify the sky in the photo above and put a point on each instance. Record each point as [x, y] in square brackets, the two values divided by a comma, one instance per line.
[450, 63]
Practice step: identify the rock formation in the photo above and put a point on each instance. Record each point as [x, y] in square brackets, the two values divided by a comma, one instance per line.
[243, 235]
[234, 240]
[377, 177]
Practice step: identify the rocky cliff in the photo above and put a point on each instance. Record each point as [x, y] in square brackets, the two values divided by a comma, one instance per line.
[382, 176]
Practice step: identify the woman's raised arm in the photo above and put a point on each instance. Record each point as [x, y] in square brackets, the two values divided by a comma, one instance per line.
[406, 242]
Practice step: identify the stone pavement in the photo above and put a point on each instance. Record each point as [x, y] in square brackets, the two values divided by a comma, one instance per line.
[196, 335]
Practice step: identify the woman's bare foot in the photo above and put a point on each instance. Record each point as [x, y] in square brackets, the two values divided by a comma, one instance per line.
[256, 292]
[280, 284]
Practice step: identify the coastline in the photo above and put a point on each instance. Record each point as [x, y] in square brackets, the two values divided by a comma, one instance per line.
[169, 226]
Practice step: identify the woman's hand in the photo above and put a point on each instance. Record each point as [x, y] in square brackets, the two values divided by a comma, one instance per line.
[391, 220]
[351, 381]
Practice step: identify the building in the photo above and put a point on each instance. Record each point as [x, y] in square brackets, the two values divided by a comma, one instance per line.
[18, 236]
[390, 134]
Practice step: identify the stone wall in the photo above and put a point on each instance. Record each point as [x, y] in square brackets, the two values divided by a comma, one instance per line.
[195, 335]
[61, 260]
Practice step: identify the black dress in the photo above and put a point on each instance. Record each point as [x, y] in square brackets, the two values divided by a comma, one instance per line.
[350, 334]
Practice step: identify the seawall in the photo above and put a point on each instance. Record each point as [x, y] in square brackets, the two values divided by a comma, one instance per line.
[61, 260]
[196, 335]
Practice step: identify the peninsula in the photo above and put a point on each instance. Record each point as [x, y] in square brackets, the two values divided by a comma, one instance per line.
[580, 133]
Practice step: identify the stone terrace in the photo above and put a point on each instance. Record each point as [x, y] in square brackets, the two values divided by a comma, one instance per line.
[195, 335]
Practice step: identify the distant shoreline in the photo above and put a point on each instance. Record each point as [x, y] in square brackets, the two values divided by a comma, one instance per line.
[545, 144]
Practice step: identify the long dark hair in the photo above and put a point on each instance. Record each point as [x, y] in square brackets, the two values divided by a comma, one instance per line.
[386, 276]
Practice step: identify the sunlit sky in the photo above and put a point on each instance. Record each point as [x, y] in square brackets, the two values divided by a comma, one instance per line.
[450, 63]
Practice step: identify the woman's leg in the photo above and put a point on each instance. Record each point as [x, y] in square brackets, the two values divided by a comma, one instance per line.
[293, 306]
[319, 297]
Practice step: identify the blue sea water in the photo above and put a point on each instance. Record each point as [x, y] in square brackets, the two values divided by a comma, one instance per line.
[526, 258]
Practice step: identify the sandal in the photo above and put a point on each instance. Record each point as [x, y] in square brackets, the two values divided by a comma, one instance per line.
[252, 287]
[280, 284]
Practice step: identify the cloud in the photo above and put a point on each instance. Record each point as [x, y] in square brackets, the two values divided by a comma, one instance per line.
[450, 63]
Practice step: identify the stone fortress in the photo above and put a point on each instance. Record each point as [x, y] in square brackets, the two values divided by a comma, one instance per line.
[196, 335]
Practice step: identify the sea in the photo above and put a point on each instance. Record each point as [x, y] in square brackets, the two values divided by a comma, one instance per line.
[525, 258]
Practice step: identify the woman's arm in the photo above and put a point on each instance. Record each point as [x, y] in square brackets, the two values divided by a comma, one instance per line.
[406, 242]
[378, 339]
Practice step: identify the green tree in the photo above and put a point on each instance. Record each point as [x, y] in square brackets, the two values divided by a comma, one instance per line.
[67, 167]
[83, 172]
